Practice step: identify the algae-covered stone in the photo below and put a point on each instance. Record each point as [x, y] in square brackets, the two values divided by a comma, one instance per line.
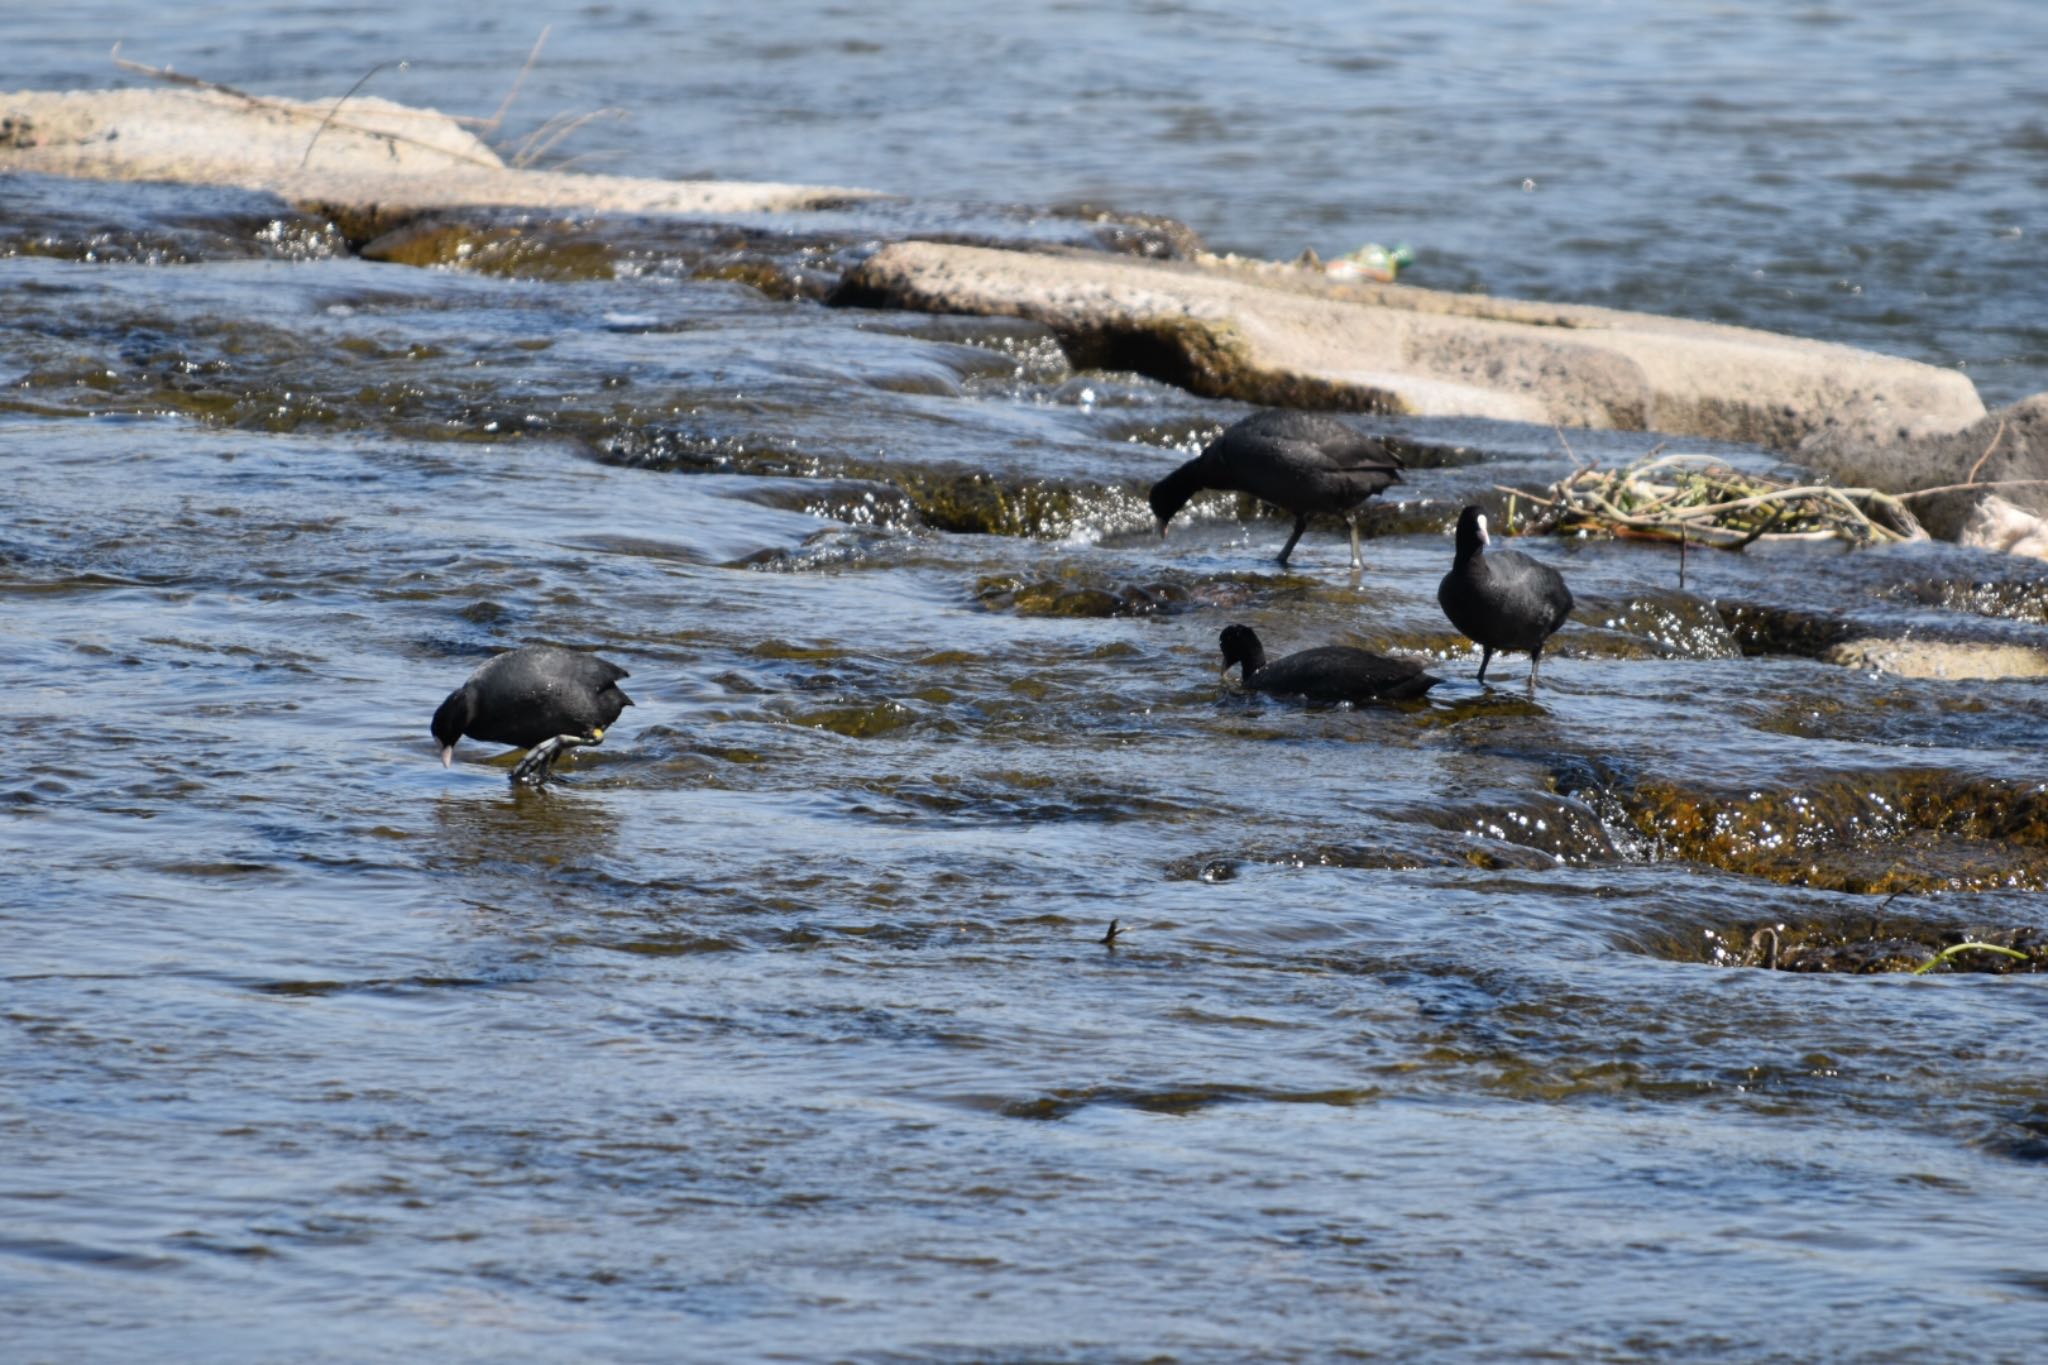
[539, 251]
[1054, 597]
[1877, 832]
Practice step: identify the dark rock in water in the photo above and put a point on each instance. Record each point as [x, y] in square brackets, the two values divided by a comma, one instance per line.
[1331, 673]
[1760, 628]
[1055, 597]
[1861, 945]
[1870, 832]
[2000, 599]
[1306, 463]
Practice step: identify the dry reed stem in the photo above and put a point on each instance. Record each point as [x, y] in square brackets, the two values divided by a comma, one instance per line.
[545, 138]
[1996, 437]
[495, 121]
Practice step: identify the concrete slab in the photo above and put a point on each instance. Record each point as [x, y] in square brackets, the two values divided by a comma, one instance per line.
[366, 153]
[1281, 336]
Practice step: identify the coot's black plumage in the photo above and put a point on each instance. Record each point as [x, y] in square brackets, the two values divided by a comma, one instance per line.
[1331, 673]
[1502, 600]
[1306, 463]
[536, 697]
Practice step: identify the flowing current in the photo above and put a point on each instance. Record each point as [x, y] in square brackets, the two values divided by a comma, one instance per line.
[782, 1025]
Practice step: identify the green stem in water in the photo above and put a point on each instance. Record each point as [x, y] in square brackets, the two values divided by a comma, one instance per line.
[1946, 953]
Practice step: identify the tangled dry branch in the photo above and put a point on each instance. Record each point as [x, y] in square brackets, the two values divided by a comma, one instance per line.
[1699, 499]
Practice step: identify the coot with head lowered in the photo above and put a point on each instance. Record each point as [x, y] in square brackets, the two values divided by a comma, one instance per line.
[1306, 463]
[1504, 600]
[537, 697]
[1330, 673]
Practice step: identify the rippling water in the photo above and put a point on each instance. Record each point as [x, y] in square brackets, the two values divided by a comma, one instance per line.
[782, 1025]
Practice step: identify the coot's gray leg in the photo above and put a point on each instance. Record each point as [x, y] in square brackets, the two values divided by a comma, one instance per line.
[1535, 657]
[539, 763]
[1300, 525]
[1485, 658]
[1357, 561]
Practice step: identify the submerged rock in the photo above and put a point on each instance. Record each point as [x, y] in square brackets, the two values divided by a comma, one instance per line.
[1865, 945]
[1053, 597]
[1881, 832]
[1935, 659]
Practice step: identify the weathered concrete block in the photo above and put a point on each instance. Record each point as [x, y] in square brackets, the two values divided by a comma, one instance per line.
[1286, 337]
[369, 154]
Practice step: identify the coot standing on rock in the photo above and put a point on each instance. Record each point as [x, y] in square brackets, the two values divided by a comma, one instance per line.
[1503, 600]
[1331, 673]
[536, 697]
[1303, 462]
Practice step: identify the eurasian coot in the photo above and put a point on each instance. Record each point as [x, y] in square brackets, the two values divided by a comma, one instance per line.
[536, 697]
[1503, 600]
[1303, 462]
[1331, 673]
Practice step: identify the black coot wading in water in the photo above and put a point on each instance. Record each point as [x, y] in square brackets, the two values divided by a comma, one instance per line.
[1504, 600]
[1331, 673]
[536, 697]
[1303, 462]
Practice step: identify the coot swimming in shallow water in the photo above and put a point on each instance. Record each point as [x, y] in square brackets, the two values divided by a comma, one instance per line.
[1503, 600]
[1303, 462]
[536, 697]
[1331, 673]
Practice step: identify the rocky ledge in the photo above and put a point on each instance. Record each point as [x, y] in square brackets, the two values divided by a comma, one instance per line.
[1257, 331]
[341, 157]
[1278, 335]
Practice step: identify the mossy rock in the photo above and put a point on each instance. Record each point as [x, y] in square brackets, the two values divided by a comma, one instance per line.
[527, 252]
[1053, 597]
[1873, 833]
[1866, 946]
[756, 272]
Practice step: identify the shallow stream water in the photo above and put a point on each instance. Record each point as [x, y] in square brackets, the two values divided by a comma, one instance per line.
[781, 1025]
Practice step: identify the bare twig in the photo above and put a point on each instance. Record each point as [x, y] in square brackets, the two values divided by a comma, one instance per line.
[164, 73]
[1763, 528]
[1565, 441]
[1960, 487]
[1996, 437]
[544, 138]
[401, 65]
[496, 120]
